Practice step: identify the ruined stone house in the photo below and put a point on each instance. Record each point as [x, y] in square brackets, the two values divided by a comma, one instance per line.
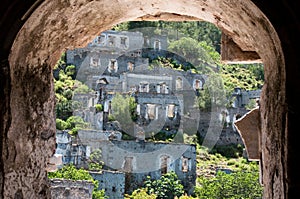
[128, 163]
[165, 97]
[113, 63]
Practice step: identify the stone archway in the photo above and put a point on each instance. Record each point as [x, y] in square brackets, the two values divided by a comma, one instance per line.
[28, 139]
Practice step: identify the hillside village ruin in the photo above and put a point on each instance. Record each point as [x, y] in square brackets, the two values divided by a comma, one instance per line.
[118, 63]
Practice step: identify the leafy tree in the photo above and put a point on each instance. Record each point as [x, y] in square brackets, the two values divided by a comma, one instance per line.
[247, 77]
[195, 53]
[76, 122]
[168, 186]
[168, 62]
[95, 160]
[197, 30]
[65, 87]
[80, 88]
[71, 71]
[251, 104]
[237, 185]
[73, 131]
[186, 197]
[124, 111]
[70, 172]
[213, 94]
[140, 194]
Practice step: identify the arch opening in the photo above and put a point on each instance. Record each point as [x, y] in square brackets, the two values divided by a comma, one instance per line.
[42, 38]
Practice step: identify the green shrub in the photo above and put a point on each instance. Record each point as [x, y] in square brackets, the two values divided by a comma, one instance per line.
[70, 70]
[239, 184]
[95, 160]
[76, 121]
[140, 194]
[111, 118]
[168, 186]
[186, 197]
[61, 124]
[229, 151]
[73, 131]
[99, 107]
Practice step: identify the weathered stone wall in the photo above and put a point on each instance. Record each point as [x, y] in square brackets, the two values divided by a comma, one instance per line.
[70, 149]
[146, 160]
[70, 189]
[113, 182]
[29, 138]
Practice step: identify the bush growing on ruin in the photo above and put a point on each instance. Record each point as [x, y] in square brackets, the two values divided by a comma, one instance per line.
[72, 173]
[76, 122]
[140, 194]
[61, 124]
[168, 186]
[99, 107]
[95, 160]
[124, 111]
[238, 184]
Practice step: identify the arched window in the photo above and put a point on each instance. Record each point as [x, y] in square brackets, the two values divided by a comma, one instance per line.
[185, 164]
[179, 83]
[198, 84]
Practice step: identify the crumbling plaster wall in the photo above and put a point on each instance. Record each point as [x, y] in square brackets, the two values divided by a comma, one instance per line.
[27, 128]
[71, 189]
[113, 182]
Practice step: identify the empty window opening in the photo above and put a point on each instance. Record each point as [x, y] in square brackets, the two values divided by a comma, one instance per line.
[95, 62]
[127, 166]
[179, 83]
[124, 42]
[151, 111]
[111, 41]
[157, 44]
[162, 88]
[138, 109]
[185, 164]
[197, 84]
[113, 65]
[171, 111]
[144, 87]
[130, 66]
[164, 162]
